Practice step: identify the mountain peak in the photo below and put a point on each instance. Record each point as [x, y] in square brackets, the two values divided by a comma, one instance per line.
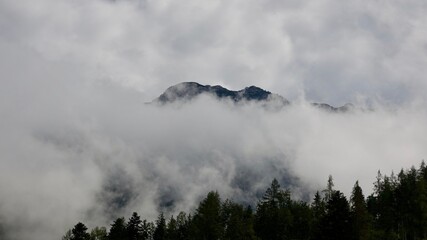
[255, 93]
[188, 90]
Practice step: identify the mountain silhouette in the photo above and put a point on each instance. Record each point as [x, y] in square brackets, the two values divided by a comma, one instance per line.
[187, 91]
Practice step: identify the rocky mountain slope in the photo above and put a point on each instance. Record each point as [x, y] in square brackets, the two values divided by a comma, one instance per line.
[187, 91]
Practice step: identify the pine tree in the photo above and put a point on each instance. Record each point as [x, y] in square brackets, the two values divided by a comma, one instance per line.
[273, 217]
[387, 209]
[134, 227]
[147, 229]
[318, 206]
[329, 189]
[160, 231]
[172, 229]
[183, 226]
[361, 219]
[336, 225]
[207, 220]
[382, 207]
[249, 224]
[302, 220]
[79, 232]
[118, 230]
[318, 210]
[238, 221]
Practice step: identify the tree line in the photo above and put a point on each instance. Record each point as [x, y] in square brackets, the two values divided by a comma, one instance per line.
[397, 209]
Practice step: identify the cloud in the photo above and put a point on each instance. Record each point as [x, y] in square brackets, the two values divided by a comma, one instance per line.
[333, 51]
[78, 142]
[116, 156]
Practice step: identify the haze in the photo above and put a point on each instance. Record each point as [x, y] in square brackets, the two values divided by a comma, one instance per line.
[78, 142]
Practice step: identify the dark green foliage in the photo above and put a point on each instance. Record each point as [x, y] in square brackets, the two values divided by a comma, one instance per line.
[207, 220]
[183, 226]
[79, 232]
[318, 212]
[410, 197]
[302, 220]
[383, 207]
[336, 222]
[237, 221]
[160, 231]
[273, 217]
[147, 229]
[134, 227]
[118, 230]
[396, 210]
[399, 205]
[360, 218]
[171, 229]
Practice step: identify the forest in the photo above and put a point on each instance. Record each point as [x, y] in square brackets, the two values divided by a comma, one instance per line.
[396, 209]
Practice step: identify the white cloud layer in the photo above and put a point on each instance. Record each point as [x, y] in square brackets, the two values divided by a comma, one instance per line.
[78, 142]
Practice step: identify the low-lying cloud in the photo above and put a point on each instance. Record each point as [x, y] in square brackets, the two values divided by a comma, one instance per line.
[116, 156]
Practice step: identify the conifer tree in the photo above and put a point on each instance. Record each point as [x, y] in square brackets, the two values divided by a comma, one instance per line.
[79, 232]
[238, 221]
[160, 231]
[318, 210]
[183, 226]
[207, 220]
[336, 224]
[118, 230]
[329, 189]
[386, 210]
[147, 229]
[302, 220]
[273, 217]
[134, 227]
[360, 217]
[171, 229]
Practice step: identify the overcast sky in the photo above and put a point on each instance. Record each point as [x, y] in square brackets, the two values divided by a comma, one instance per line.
[331, 51]
[75, 74]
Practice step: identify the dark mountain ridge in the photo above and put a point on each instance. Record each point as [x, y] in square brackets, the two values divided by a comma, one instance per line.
[186, 91]
[189, 90]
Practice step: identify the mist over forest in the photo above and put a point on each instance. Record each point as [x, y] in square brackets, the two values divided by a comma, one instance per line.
[80, 143]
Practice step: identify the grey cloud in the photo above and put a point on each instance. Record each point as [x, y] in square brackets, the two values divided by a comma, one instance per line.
[79, 144]
[118, 156]
[332, 50]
